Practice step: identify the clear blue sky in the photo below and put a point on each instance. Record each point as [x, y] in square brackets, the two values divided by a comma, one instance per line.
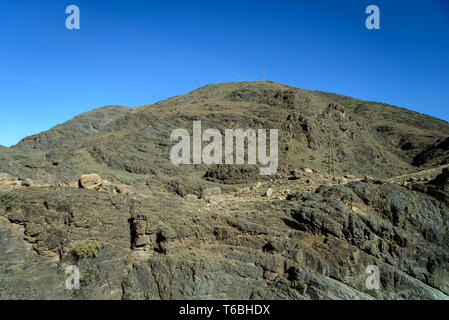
[138, 52]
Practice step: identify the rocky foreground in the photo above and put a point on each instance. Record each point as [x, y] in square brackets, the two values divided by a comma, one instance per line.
[308, 236]
[359, 184]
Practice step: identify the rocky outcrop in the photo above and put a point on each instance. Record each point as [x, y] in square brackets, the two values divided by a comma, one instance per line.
[93, 181]
[232, 174]
[403, 232]
[315, 246]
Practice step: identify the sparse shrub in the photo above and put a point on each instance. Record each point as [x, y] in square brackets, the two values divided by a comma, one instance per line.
[8, 198]
[87, 276]
[83, 250]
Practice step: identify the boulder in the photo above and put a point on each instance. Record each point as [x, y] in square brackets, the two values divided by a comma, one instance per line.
[90, 181]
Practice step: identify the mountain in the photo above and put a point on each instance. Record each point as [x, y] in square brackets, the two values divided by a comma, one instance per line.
[124, 143]
[358, 183]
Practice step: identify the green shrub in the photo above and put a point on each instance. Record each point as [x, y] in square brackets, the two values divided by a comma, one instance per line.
[8, 198]
[87, 276]
[8, 195]
[84, 250]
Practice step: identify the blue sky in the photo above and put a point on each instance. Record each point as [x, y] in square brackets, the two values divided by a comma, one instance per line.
[138, 52]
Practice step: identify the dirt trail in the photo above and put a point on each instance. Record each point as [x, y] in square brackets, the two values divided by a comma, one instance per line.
[422, 175]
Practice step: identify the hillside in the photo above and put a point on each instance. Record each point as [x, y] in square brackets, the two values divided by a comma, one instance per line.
[125, 144]
[166, 231]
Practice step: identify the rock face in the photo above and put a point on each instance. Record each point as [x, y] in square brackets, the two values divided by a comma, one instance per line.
[313, 247]
[390, 227]
[157, 230]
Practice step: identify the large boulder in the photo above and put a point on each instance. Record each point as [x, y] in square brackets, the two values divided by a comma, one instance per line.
[90, 181]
